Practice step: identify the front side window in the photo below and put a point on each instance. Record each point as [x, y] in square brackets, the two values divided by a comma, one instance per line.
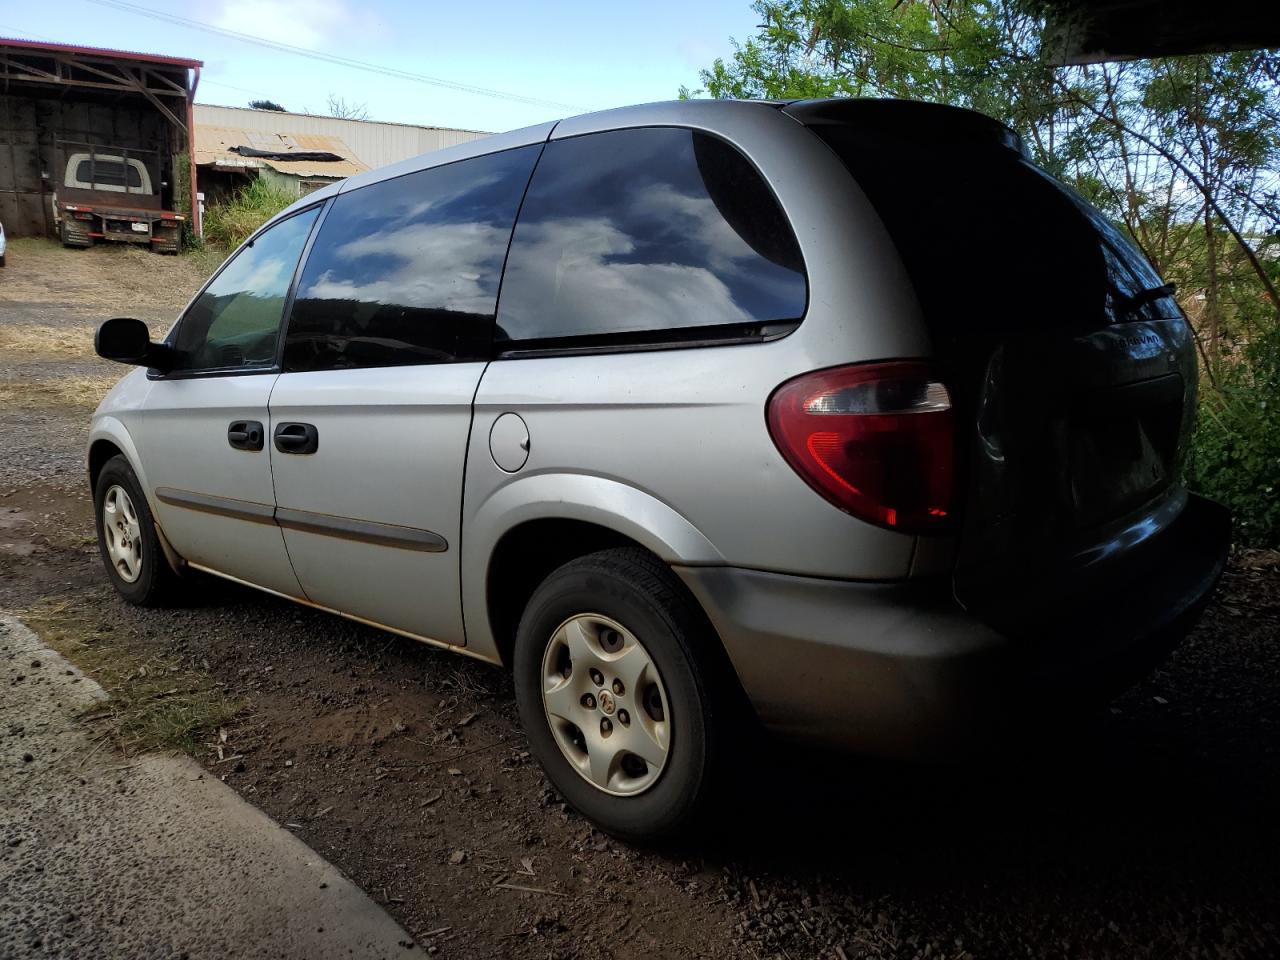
[235, 322]
[631, 233]
[406, 271]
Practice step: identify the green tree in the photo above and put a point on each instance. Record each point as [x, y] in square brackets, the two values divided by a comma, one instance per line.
[1184, 153]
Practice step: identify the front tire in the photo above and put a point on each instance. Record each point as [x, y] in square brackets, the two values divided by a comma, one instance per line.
[127, 539]
[614, 694]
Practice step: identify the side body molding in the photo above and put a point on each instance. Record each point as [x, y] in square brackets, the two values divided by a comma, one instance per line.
[570, 496]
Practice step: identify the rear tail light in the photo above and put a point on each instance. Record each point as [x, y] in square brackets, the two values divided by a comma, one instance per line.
[877, 440]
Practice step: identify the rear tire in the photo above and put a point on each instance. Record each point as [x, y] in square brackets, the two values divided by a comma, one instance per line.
[616, 697]
[127, 539]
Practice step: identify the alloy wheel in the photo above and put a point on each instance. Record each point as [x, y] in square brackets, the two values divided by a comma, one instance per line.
[606, 705]
[122, 533]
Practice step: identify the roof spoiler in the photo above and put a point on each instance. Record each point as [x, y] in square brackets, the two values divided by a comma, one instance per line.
[913, 121]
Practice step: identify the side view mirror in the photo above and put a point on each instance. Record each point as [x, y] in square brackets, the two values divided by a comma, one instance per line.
[126, 340]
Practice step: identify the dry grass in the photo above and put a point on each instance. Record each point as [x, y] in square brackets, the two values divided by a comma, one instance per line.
[111, 279]
[46, 341]
[74, 390]
[155, 703]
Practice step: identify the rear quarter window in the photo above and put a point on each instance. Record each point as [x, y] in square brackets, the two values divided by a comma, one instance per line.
[634, 235]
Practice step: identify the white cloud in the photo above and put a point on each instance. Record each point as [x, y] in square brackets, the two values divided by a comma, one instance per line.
[441, 265]
[560, 271]
[312, 23]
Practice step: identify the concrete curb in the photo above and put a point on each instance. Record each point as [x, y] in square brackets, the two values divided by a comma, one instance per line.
[152, 858]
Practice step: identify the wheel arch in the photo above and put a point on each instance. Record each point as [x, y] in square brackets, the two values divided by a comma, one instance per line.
[535, 524]
[100, 451]
[108, 439]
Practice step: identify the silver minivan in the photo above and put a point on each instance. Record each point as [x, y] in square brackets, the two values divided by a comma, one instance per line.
[837, 416]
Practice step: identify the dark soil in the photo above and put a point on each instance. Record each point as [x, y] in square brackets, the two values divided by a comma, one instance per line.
[1147, 830]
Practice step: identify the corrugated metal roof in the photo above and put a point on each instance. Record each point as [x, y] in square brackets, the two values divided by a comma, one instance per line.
[214, 146]
[256, 111]
[372, 142]
[44, 47]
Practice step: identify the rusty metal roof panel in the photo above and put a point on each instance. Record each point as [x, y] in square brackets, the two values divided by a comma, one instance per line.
[43, 47]
[218, 146]
[372, 142]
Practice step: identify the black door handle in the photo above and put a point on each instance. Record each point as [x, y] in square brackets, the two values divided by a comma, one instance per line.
[246, 434]
[297, 438]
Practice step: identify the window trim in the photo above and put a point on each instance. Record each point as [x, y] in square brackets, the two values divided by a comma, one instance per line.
[632, 341]
[647, 341]
[260, 368]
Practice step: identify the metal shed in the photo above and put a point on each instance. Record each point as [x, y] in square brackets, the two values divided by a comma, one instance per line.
[56, 97]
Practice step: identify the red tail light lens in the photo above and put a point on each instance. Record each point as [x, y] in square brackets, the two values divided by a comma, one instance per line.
[877, 440]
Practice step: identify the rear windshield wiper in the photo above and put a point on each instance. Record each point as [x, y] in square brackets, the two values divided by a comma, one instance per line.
[1135, 300]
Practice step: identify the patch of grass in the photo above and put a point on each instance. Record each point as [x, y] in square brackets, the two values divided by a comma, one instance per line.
[1235, 457]
[205, 258]
[46, 341]
[75, 390]
[30, 244]
[228, 224]
[155, 702]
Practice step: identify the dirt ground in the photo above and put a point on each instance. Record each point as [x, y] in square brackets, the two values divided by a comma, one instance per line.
[1148, 830]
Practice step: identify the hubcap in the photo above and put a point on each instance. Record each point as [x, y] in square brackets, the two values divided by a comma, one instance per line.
[606, 705]
[122, 534]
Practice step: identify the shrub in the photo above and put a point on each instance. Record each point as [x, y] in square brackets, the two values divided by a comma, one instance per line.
[229, 223]
[1235, 458]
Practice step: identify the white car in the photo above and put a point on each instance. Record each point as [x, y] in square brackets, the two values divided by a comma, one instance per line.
[3, 244]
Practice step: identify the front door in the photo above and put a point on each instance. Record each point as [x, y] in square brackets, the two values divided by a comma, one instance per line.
[385, 347]
[371, 514]
[203, 430]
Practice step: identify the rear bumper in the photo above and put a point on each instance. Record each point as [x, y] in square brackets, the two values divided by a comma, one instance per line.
[903, 669]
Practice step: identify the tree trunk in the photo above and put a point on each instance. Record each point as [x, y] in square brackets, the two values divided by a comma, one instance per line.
[1211, 302]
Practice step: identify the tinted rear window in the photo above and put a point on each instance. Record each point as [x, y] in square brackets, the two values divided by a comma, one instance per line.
[109, 173]
[990, 240]
[636, 232]
[406, 271]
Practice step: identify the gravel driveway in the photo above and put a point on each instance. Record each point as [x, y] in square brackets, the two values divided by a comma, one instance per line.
[1147, 830]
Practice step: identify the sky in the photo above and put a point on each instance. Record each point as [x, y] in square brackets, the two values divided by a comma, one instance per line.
[575, 56]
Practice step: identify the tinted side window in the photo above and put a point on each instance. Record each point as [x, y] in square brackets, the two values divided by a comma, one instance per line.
[407, 270]
[644, 230]
[235, 322]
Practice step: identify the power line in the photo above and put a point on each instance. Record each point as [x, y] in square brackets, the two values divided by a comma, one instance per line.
[22, 34]
[328, 57]
[218, 83]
